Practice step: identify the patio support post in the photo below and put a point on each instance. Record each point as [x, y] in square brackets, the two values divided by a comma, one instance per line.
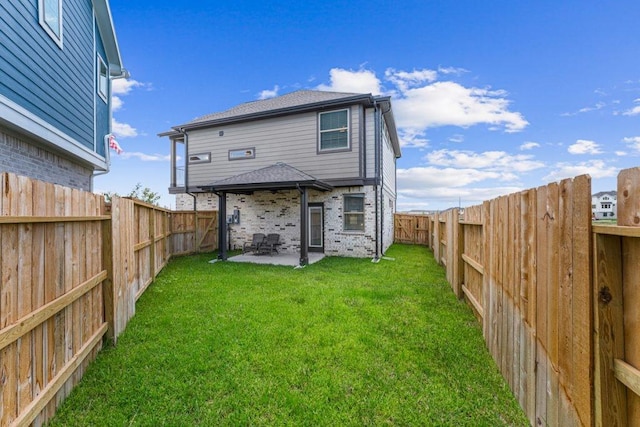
[304, 255]
[222, 226]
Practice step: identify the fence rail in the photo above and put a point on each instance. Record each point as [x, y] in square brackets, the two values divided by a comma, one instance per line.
[71, 271]
[543, 282]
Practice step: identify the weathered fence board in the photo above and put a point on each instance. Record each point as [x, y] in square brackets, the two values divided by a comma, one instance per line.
[70, 274]
[523, 263]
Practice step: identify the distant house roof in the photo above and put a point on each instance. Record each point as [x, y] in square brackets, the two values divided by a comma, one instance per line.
[275, 177]
[294, 102]
[605, 193]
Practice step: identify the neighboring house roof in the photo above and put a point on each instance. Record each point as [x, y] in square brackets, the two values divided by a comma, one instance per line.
[605, 193]
[275, 177]
[294, 102]
[108, 34]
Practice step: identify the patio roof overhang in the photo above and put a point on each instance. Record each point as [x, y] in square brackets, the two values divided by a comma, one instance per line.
[280, 176]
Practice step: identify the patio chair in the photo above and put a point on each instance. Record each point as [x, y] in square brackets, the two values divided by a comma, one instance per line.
[270, 244]
[254, 244]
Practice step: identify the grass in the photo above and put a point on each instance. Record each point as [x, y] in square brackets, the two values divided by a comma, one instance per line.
[340, 342]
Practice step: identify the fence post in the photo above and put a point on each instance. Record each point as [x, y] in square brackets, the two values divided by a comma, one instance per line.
[107, 284]
[152, 249]
[629, 216]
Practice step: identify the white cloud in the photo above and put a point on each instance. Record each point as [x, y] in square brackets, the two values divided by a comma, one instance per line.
[124, 86]
[498, 161]
[633, 143]
[116, 103]
[596, 107]
[621, 153]
[123, 130]
[452, 70]
[451, 104]
[404, 80]
[529, 146]
[146, 157]
[632, 112]
[411, 139]
[595, 168]
[362, 81]
[269, 93]
[457, 138]
[583, 146]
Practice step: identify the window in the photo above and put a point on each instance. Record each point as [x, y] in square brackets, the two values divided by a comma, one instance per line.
[353, 212]
[103, 80]
[200, 158]
[334, 130]
[244, 153]
[606, 205]
[50, 16]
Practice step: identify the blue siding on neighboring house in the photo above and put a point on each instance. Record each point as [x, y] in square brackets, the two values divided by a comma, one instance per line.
[102, 108]
[55, 84]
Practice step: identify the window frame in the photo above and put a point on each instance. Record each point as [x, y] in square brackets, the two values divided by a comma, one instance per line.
[323, 131]
[56, 35]
[99, 76]
[347, 214]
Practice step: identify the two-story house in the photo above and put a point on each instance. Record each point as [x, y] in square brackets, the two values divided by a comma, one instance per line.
[604, 205]
[57, 59]
[318, 168]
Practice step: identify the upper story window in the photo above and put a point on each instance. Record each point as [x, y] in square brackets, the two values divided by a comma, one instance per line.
[50, 16]
[334, 130]
[103, 80]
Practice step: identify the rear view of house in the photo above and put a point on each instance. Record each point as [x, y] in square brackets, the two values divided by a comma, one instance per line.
[318, 168]
[57, 59]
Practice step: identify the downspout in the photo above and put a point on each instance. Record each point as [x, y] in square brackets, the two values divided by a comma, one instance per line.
[377, 172]
[382, 185]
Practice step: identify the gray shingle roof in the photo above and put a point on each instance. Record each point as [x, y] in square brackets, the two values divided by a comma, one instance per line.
[280, 175]
[290, 100]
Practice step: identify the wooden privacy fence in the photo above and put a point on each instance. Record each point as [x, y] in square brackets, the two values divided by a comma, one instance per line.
[543, 282]
[71, 272]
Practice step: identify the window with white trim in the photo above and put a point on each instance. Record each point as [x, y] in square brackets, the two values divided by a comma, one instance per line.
[103, 79]
[50, 17]
[334, 130]
[353, 212]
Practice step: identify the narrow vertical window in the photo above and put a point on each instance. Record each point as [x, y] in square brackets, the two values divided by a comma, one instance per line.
[353, 213]
[103, 80]
[50, 14]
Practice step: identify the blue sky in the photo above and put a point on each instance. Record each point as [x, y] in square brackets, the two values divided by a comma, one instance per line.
[490, 97]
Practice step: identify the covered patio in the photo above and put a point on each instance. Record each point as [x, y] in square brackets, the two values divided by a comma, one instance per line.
[279, 176]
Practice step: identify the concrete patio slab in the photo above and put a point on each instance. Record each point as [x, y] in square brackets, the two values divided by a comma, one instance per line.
[277, 259]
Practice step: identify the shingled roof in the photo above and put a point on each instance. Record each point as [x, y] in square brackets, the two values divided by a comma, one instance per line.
[293, 100]
[275, 177]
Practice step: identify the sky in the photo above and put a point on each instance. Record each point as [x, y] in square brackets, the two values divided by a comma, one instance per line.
[490, 97]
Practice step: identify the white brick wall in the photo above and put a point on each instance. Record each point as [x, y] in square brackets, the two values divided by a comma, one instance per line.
[279, 212]
[205, 202]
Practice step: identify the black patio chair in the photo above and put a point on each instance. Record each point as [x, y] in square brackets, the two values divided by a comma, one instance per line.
[270, 244]
[254, 244]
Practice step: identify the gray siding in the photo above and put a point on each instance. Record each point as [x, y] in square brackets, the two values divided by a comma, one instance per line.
[55, 84]
[289, 139]
[370, 138]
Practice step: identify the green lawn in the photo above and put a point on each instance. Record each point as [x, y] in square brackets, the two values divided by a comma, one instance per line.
[340, 342]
